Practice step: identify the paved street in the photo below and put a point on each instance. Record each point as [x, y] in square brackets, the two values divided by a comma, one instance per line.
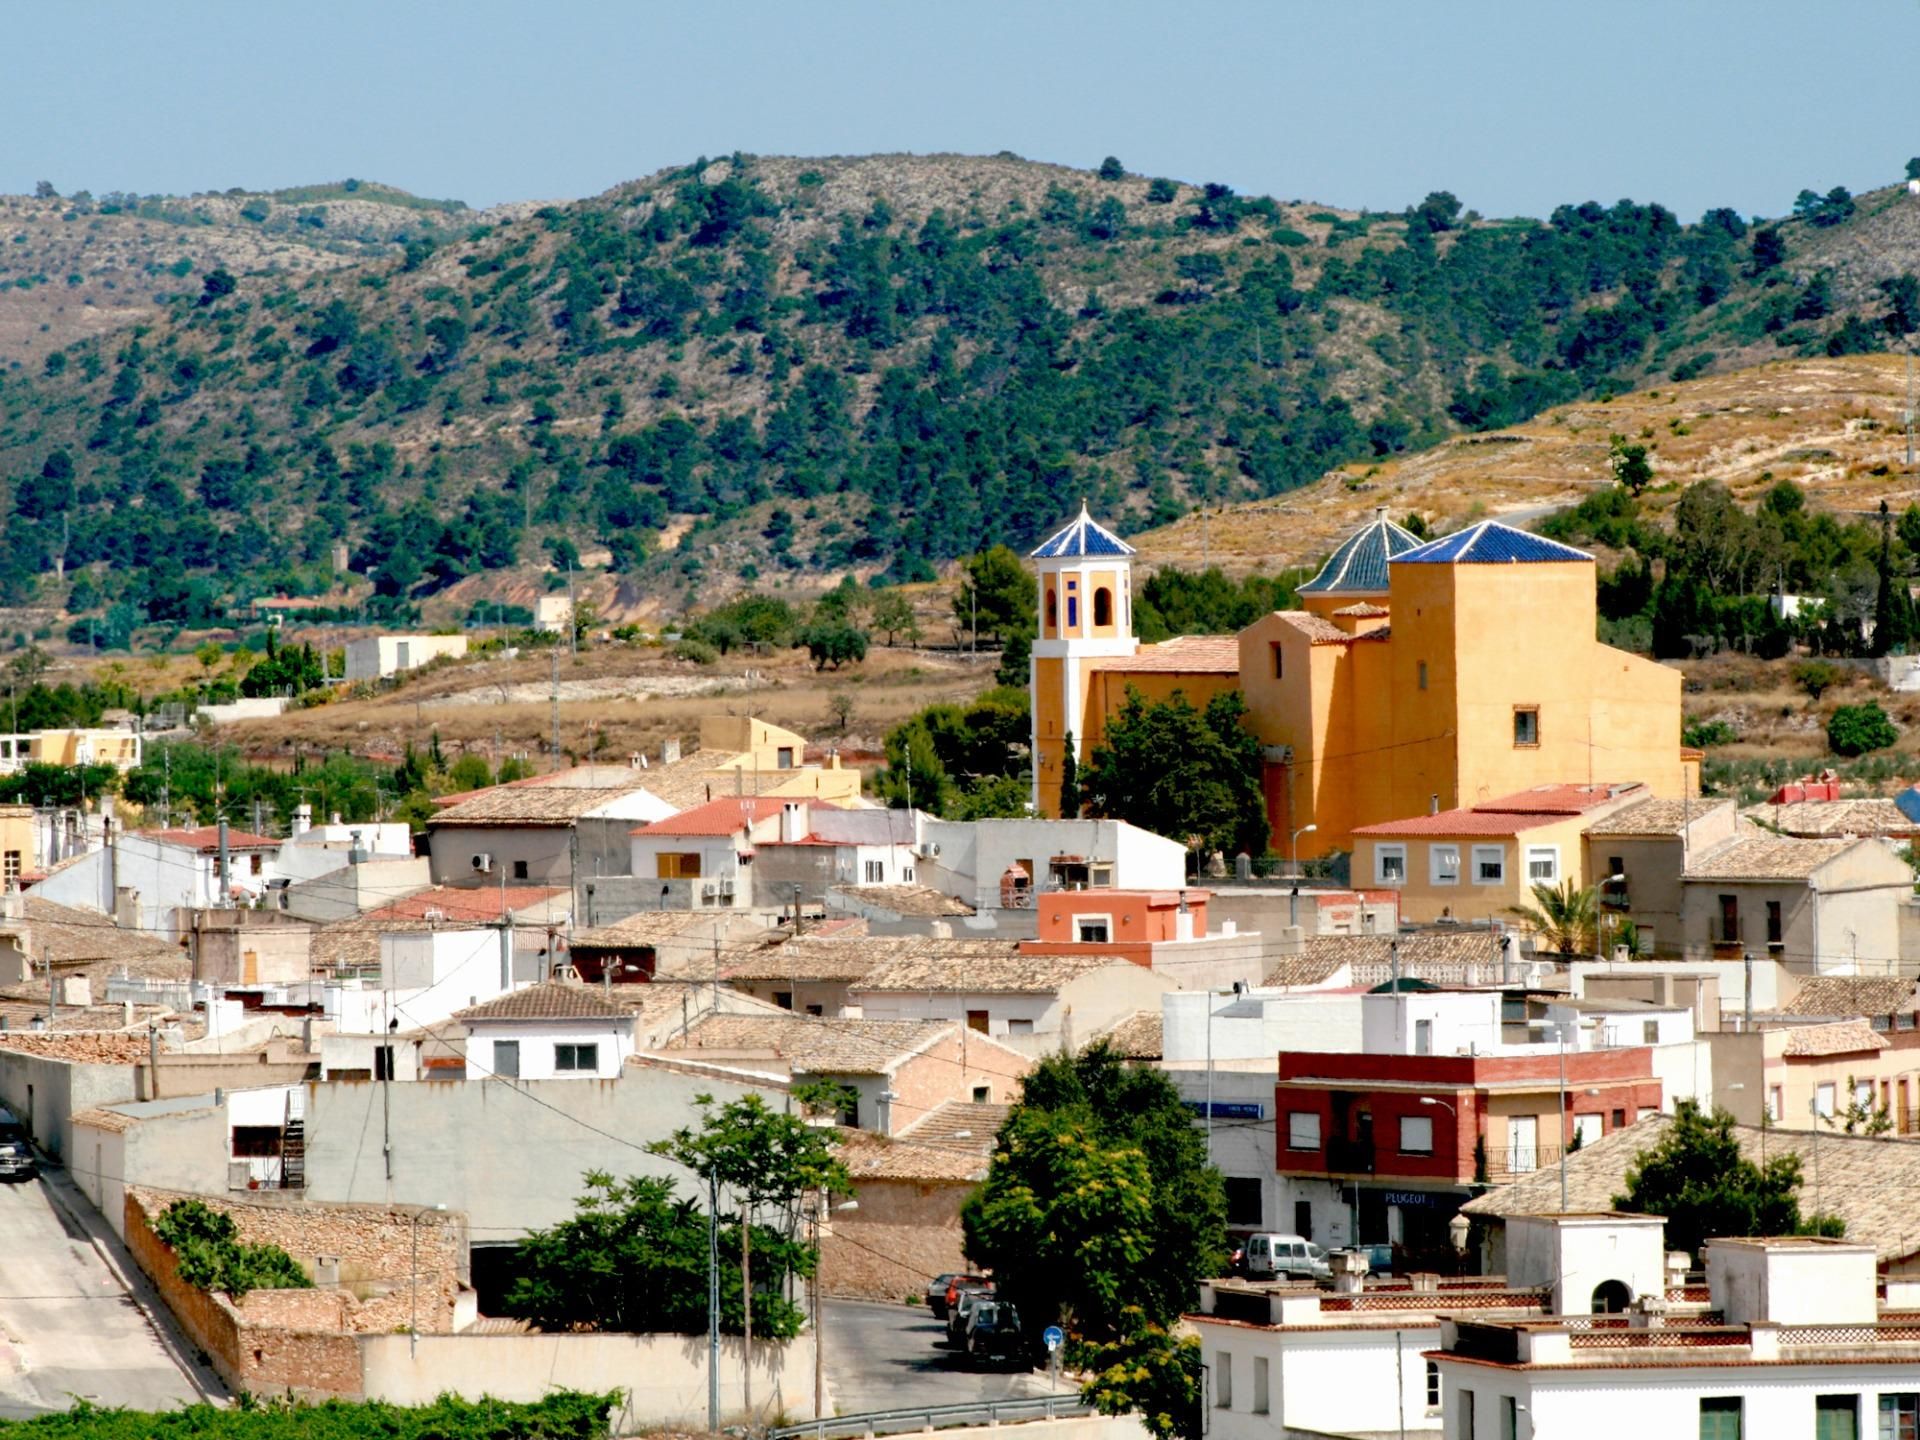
[68, 1327]
[883, 1357]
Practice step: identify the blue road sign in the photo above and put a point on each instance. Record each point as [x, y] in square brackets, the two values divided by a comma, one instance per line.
[1054, 1336]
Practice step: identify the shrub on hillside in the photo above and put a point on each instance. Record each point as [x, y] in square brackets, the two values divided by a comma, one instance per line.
[1856, 729]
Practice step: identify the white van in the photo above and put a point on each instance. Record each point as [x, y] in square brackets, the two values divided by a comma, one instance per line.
[1286, 1257]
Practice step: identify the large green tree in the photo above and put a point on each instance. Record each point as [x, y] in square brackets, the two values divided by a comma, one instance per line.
[1696, 1176]
[1101, 1213]
[995, 599]
[1192, 775]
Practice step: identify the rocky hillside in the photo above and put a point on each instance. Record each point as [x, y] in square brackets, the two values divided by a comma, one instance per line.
[760, 371]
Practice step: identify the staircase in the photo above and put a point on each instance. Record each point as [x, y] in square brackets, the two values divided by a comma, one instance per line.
[293, 1143]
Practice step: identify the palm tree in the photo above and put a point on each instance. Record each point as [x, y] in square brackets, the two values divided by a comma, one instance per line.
[1565, 916]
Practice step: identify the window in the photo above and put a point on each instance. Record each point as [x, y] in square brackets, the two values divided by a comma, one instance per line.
[983, 1094]
[1279, 663]
[1093, 929]
[1423, 1037]
[1900, 1417]
[1464, 1409]
[1543, 864]
[1433, 1388]
[1421, 674]
[1416, 1135]
[1489, 864]
[1053, 611]
[1103, 606]
[875, 872]
[1443, 864]
[1259, 1384]
[1223, 1379]
[1390, 864]
[1649, 1032]
[1863, 1094]
[1303, 1130]
[1246, 1201]
[1588, 1128]
[1730, 919]
[783, 998]
[1720, 1417]
[1526, 725]
[783, 758]
[1509, 1417]
[254, 864]
[1823, 1099]
[506, 1059]
[1073, 608]
[383, 1062]
[576, 1057]
[977, 1020]
[1620, 1119]
[11, 873]
[1017, 1027]
[1836, 1417]
[1100, 877]
[519, 869]
[256, 1142]
[680, 865]
[1773, 922]
[1303, 1219]
[1776, 1104]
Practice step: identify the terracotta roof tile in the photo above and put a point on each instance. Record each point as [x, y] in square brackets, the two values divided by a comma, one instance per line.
[206, 839]
[868, 1156]
[1656, 817]
[1816, 819]
[1442, 956]
[1863, 995]
[465, 905]
[906, 899]
[968, 1125]
[1182, 655]
[1845, 1037]
[1135, 1037]
[993, 967]
[549, 1000]
[89, 939]
[1766, 858]
[648, 927]
[726, 816]
[810, 1045]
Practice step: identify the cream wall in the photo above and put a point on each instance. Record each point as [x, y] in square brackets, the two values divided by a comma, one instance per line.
[1421, 900]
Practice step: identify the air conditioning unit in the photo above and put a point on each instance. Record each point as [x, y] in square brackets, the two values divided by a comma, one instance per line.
[708, 890]
[726, 889]
[482, 863]
[930, 851]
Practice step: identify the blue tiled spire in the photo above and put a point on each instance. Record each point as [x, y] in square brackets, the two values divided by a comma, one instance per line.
[1359, 566]
[1082, 536]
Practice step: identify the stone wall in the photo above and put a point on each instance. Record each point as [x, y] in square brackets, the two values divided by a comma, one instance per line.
[904, 1233]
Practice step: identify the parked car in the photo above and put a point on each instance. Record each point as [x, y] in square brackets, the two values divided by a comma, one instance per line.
[937, 1293]
[1294, 1257]
[961, 1310]
[17, 1160]
[994, 1333]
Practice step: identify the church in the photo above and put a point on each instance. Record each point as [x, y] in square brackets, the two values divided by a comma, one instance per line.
[1416, 677]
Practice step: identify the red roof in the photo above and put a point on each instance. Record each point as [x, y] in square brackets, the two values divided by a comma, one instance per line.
[465, 906]
[206, 839]
[1510, 814]
[726, 816]
[1558, 799]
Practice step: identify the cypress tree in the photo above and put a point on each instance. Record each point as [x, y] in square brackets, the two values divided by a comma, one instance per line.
[1069, 780]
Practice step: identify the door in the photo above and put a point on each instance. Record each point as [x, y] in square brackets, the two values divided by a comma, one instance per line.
[506, 1059]
[1523, 1141]
[250, 968]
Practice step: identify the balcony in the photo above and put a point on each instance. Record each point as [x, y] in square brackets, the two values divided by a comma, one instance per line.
[1511, 1162]
[1350, 1157]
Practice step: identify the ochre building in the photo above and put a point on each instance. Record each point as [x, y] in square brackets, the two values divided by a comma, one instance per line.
[1417, 678]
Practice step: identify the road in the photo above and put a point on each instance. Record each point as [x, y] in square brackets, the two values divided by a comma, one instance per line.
[884, 1357]
[69, 1328]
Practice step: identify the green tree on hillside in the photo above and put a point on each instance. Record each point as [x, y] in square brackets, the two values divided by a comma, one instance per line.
[995, 598]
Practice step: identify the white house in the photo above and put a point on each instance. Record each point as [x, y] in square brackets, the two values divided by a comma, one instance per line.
[159, 875]
[969, 858]
[1801, 1347]
[703, 857]
[549, 1031]
[379, 656]
[426, 976]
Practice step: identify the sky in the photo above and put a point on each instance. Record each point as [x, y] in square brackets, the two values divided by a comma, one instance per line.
[1513, 105]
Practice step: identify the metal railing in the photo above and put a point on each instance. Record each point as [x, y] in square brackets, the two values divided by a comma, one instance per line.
[934, 1417]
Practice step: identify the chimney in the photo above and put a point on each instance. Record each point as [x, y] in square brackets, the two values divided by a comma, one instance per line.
[302, 819]
[792, 822]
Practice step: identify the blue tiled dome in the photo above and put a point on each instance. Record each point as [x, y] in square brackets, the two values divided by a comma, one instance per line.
[1359, 566]
[1491, 543]
[1082, 536]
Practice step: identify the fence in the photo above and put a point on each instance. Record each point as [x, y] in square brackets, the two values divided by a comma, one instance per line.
[934, 1417]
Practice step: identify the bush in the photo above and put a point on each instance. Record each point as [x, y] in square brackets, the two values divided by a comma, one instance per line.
[1702, 734]
[1816, 677]
[209, 1255]
[1856, 729]
[833, 643]
[1161, 192]
[695, 649]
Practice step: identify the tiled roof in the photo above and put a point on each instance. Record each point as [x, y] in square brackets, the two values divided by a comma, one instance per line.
[1361, 610]
[549, 1000]
[811, 1045]
[111, 1121]
[92, 1048]
[726, 816]
[562, 798]
[1428, 955]
[1844, 1037]
[1082, 535]
[649, 927]
[967, 1125]
[996, 968]
[1320, 631]
[905, 899]
[1491, 543]
[1655, 817]
[1182, 655]
[1560, 799]
[1821, 818]
[868, 1156]
[1137, 1037]
[464, 905]
[1832, 995]
[1508, 815]
[811, 957]
[87, 938]
[1770, 858]
[206, 839]
[1313, 967]
[1359, 566]
[1868, 1183]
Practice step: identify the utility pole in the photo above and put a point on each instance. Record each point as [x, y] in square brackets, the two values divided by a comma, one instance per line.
[555, 692]
[1561, 1031]
[713, 1304]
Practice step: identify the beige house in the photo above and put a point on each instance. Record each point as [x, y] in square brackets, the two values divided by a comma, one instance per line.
[1816, 906]
[906, 1225]
[1647, 844]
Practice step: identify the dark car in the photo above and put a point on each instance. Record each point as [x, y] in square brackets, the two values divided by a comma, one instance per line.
[965, 1297]
[993, 1333]
[17, 1160]
[937, 1293]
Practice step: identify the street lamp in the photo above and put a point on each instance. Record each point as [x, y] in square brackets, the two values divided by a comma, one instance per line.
[1293, 846]
[413, 1303]
[1239, 989]
[819, 1383]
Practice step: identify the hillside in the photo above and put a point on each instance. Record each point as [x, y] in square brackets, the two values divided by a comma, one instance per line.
[1835, 427]
[764, 372]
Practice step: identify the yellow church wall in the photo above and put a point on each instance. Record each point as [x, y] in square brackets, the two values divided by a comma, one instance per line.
[1424, 668]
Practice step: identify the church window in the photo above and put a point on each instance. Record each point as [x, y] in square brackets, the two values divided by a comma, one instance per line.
[1103, 606]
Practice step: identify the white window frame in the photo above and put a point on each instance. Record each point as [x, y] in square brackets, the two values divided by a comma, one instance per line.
[1082, 922]
[1825, 1096]
[876, 872]
[1481, 855]
[1223, 1379]
[1411, 1129]
[1437, 868]
[1550, 853]
[1303, 1138]
[1383, 853]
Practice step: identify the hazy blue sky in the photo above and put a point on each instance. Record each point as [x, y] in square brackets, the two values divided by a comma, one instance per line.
[1515, 105]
